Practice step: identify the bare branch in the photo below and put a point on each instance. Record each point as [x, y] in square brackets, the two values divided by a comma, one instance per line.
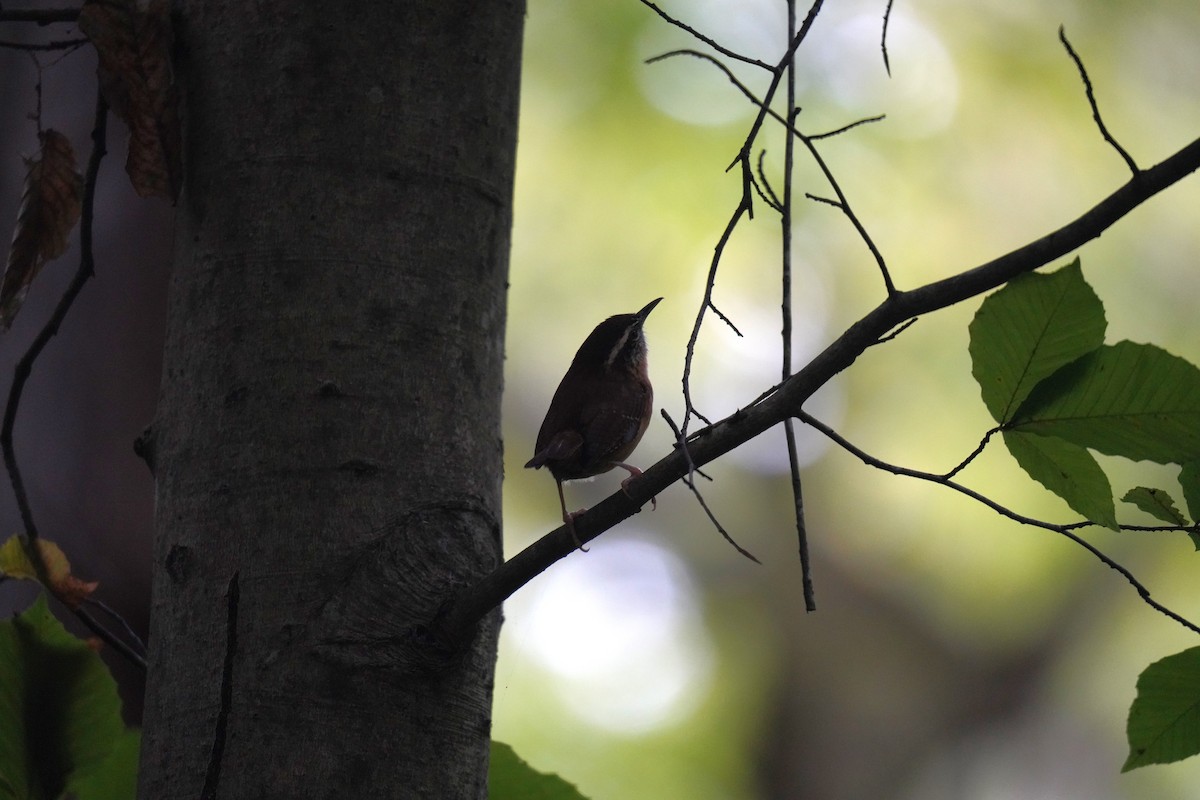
[25, 366]
[766, 192]
[24, 369]
[725, 51]
[690, 482]
[841, 203]
[887, 17]
[689, 405]
[844, 204]
[680, 442]
[785, 332]
[137, 644]
[1062, 530]
[1091, 97]
[65, 44]
[851, 126]
[745, 204]
[461, 613]
[118, 644]
[973, 455]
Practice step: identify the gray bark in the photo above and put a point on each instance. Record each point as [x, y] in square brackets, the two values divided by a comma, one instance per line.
[327, 444]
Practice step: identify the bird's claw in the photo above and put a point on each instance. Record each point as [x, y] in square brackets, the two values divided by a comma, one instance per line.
[569, 519]
[634, 472]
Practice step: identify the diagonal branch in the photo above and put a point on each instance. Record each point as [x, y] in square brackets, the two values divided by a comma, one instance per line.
[460, 614]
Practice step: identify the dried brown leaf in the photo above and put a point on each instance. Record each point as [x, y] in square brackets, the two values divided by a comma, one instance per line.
[134, 45]
[50, 208]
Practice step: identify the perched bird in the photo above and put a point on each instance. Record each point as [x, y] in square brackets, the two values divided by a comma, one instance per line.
[600, 409]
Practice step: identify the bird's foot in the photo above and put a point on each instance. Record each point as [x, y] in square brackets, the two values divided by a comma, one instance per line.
[634, 472]
[569, 519]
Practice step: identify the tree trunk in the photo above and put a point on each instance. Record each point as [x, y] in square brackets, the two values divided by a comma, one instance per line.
[327, 446]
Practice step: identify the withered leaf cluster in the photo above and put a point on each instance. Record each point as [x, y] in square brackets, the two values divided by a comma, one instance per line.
[133, 41]
[134, 45]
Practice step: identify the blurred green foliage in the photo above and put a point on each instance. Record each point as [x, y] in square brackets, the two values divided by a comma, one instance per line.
[954, 653]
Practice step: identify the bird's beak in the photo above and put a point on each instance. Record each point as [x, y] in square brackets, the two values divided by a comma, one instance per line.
[645, 312]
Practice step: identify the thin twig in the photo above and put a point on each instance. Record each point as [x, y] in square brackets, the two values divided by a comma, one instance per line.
[973, 455]
[724, 318]
[1063, 530]
[65, 44]
[692, 468]
[826, 200]
[844, 205]
[1091, 98]
[785, 224]
[816, 137]
[139, 645]
[766, 192]
[690, 409]
[24, 369]
[691, 484]
[116, 643]
[716, 523]
[745, 206]
[725, 51]
[887, 17]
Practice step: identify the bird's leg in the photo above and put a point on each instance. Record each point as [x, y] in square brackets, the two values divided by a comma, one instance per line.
[634, 472]
[569, 518]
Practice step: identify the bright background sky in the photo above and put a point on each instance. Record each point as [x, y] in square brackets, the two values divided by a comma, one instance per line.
[954, 654]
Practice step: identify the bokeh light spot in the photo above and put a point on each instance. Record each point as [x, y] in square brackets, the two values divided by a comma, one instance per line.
[620, 632]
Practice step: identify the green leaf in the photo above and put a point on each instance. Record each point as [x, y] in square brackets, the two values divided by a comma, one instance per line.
[1164, 720]
[1027, 330]
[115, 778]
[1068, 470]
[1157, 503]
[510, 778]
[60, 716]
[1189, 481]
[1126, 399]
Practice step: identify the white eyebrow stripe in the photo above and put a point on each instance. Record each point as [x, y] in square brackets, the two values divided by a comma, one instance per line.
[612, 355]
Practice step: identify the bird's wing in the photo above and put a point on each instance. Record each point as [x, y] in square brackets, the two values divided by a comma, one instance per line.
[610, 427]
[563, 445]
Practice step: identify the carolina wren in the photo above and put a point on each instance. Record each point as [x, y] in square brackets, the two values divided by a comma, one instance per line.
[600, 409]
